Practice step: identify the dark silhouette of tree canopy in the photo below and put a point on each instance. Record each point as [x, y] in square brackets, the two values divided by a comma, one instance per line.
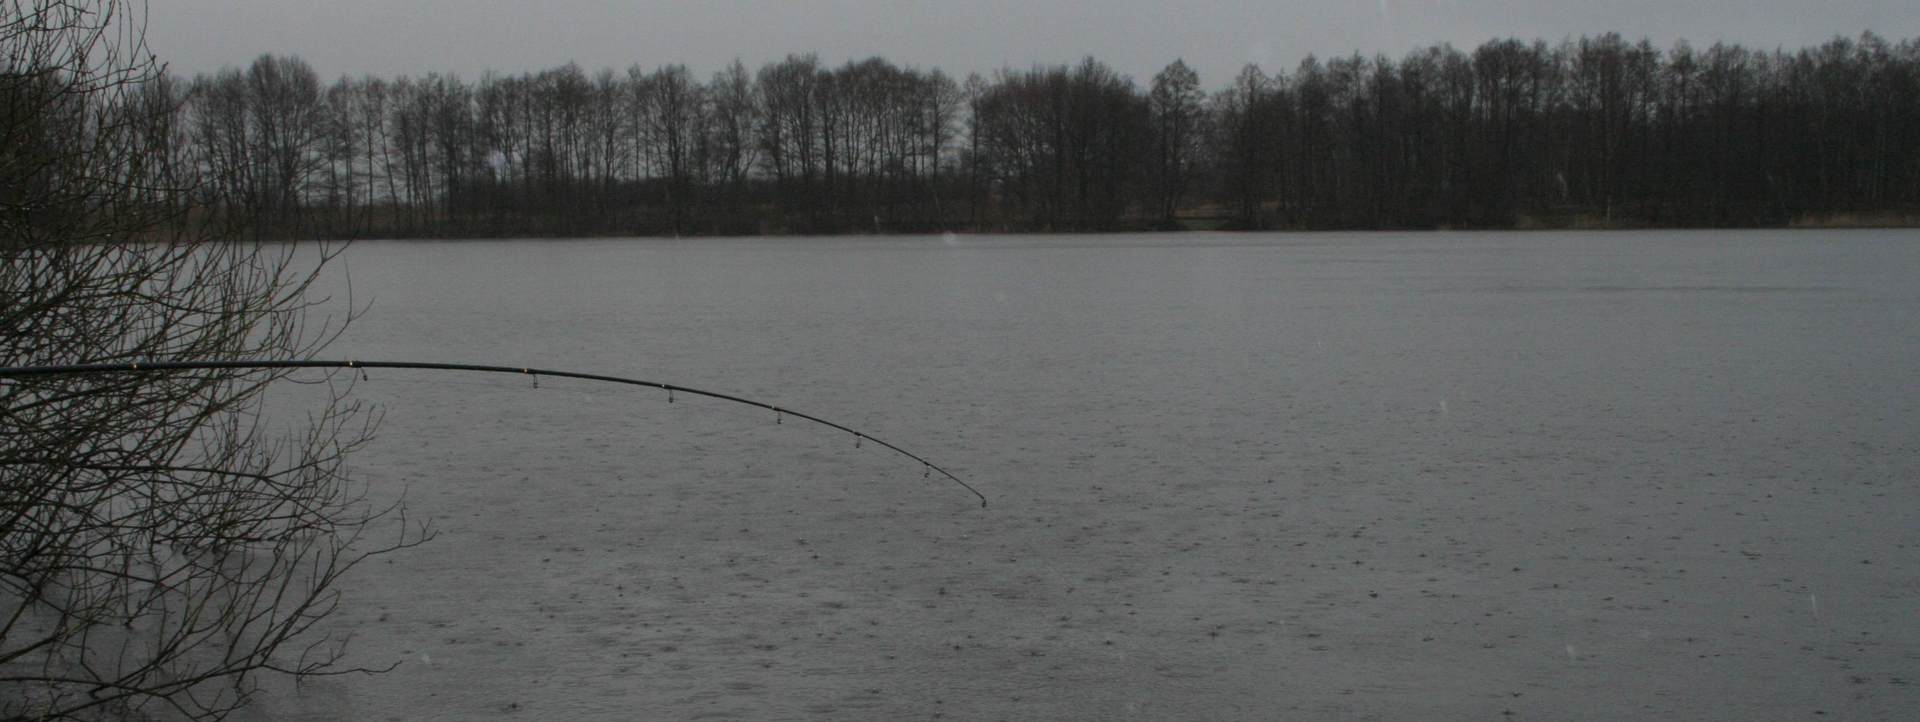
[162, 544]
[1595, 131]
[1591, 132]
[1178, 128]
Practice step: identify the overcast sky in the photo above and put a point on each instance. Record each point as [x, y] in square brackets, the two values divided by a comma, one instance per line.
[1137, 37]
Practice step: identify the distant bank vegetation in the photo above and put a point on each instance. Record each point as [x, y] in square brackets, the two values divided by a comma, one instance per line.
[1594, 132]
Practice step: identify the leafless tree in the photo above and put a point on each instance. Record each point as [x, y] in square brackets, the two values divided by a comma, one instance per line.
[672, 126]
[736, 110]
[1594, 130]
[1176, 102]
[163, 544]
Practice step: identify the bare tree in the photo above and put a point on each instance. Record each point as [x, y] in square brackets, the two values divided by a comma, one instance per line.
[736, 110]
[1176, 101]
[672, 125]
[1593, 130]
[161, 545]
[284, 107]
[1240, 121]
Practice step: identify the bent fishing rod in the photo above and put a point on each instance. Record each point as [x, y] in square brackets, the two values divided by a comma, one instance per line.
[15, 372]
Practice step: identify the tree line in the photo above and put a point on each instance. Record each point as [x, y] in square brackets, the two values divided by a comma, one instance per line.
[1597, 131]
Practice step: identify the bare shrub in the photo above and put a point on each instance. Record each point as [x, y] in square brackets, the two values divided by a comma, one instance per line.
[162, 541]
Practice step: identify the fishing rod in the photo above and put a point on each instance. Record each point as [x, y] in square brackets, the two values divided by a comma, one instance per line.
[15, 372]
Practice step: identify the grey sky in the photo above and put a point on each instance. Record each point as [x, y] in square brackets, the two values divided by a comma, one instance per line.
[1137, 37]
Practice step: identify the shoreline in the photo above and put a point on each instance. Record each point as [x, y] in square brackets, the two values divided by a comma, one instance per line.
[1842, 224]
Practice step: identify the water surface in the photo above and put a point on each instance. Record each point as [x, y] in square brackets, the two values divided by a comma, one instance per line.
[1359, 476]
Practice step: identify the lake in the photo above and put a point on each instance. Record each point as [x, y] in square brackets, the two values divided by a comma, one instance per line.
[1648, 475]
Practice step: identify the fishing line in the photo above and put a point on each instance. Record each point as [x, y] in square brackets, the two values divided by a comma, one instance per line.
[17, 372]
